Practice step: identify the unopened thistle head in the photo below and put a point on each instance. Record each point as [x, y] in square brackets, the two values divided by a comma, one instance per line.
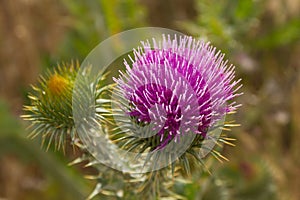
[50, 109]
[180, 85]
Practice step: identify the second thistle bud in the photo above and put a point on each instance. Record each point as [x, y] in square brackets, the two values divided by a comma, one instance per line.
[50, 110]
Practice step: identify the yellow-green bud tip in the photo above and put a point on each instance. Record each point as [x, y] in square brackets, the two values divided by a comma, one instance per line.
[57, 84]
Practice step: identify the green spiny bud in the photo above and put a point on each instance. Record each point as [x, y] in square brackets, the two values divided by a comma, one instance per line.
[50, 109]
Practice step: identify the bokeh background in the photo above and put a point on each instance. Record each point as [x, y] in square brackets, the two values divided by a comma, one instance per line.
[261, 37]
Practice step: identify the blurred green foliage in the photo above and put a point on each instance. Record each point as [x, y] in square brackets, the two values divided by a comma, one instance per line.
[93, 21]
[63, 182]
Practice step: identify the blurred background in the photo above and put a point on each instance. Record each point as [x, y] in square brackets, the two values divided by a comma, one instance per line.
[260, 37]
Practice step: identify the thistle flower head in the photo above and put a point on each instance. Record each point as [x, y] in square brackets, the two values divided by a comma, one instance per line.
[180, 85]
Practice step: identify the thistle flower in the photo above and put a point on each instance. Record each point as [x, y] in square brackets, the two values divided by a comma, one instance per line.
[50, 109]
[178, 85]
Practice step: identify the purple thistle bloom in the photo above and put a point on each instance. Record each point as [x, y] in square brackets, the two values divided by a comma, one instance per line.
[179, 86]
